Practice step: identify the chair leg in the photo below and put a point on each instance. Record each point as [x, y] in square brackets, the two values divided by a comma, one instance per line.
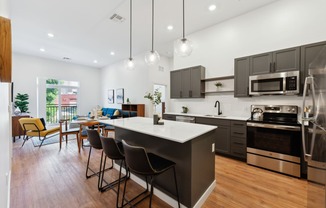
[136, 197]
[60, 140]
[42, 140]
[101, 174]
[25, 139]
[151, 193]
[176, 185]
[89, 156]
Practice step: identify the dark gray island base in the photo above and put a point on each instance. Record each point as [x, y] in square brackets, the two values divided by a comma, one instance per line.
[195, 163]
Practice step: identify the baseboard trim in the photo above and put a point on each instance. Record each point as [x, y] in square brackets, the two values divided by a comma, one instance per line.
[172, 202]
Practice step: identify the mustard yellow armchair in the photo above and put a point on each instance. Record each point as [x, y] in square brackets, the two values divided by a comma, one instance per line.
[34, 127]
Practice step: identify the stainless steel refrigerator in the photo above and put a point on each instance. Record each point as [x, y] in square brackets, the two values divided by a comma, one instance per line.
[314, 130]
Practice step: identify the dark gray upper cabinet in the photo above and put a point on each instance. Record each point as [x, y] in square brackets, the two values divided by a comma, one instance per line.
[175, 77]
[277, 61]
[286, 60]
[241, 74]
[308, 55]
[260, 64]
[188, 82]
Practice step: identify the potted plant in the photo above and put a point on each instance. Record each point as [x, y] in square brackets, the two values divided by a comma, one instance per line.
[185, 109]
[218, 85]
[154, 98]
[21, 102]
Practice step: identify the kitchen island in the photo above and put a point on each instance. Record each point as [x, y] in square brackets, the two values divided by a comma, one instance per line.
[188, 145]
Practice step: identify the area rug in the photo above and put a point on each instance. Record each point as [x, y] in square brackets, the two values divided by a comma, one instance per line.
[51, 140]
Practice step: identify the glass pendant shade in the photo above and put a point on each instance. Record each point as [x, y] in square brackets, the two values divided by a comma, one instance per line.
[152, 57]
[183, 47]
[130, 64]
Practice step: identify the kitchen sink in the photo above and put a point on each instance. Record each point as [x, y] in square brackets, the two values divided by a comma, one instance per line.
[217, 116]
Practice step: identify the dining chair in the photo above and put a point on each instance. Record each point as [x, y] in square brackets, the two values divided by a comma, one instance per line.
[65, 131]
[83, 131]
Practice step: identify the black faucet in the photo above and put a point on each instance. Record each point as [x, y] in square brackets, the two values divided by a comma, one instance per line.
[219, 112]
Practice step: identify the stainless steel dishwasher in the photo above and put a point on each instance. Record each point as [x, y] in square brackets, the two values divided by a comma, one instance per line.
[187, 119]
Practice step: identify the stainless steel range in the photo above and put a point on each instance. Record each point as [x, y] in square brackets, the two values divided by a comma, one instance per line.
[274, 138]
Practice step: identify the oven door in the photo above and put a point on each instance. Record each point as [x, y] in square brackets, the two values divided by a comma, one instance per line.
[279, 139]
[274, 147]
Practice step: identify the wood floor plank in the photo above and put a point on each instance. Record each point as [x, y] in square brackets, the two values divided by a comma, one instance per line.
[46, 177]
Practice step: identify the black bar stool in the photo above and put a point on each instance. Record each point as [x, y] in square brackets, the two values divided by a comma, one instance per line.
[148, 165]
[113, 149]
[95, 142]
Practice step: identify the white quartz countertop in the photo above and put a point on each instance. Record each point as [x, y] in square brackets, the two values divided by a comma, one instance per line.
[171, 130]
[240, 118]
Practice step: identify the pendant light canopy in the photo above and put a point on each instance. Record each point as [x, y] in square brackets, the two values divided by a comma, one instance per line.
[183, 46]
[130, 62]
[152, 57]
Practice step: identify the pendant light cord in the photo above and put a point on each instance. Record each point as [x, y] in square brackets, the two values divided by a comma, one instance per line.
[152, 25]
[130, 29]
[183, 12]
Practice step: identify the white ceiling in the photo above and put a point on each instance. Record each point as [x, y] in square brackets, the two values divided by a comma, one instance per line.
[84, 32]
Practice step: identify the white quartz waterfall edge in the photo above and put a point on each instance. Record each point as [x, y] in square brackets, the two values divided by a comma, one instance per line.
[165, 197]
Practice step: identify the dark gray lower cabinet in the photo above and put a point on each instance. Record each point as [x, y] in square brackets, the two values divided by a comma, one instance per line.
[239, 139]
[222, 133]
[169, 117]
[230, 136]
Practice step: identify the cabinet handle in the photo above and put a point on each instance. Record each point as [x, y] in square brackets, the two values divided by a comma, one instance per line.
[238, 143]
[270, 67]
[190, 93]
[180, 93]
[236, 124]
[274, 65]
[238, 133]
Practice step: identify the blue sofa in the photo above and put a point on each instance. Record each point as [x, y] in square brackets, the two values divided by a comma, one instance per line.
[110, 111]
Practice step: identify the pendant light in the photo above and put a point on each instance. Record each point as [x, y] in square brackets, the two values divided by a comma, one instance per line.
[130, 64]
[183, 46]
[152, 57]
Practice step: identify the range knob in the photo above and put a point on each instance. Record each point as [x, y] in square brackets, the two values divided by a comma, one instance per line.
[293, 110]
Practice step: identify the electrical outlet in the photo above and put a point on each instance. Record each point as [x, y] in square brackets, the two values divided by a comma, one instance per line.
[213, 147]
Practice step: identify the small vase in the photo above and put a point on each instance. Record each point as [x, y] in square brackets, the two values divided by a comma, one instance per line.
[17, 111]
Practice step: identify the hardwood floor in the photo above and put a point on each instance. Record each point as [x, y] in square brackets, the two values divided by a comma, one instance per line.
[47, 177]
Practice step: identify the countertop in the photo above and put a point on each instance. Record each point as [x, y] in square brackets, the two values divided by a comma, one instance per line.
[175, 131]
[205, 116]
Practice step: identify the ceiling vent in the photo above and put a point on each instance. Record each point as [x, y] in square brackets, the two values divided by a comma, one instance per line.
[117, 18]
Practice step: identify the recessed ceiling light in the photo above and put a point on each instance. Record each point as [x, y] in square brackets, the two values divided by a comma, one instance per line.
[95, 61]
[212, 7]
[112, 53]
[42, 49]
[170, 27]
[50, 35]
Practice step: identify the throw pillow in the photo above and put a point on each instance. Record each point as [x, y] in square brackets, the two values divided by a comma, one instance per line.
[116, 113]
[99, 113]
[43, 122]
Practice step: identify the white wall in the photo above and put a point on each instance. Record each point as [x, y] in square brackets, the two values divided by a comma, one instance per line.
[5, 130]
[282, 24]
[26, 69]
[135, 82]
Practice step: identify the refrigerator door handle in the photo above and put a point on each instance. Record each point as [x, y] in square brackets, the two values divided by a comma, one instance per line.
[308, 82]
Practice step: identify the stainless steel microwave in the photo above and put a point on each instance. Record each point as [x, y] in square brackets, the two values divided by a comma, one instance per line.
[283, 83]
